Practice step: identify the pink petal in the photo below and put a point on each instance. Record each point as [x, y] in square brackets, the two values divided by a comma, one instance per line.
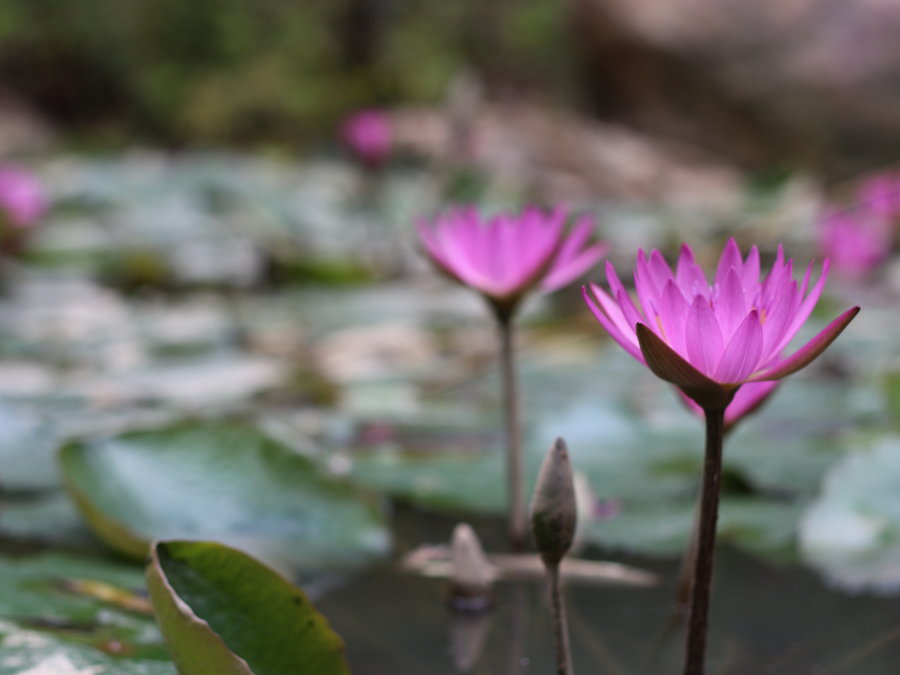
[732, 303]
[689, 275]
[806, 307]
[702, 337]
[750, 276]
[573, 259]
[673, 311]
[809, 352]
[748, 399]
[741, 355]
[731, 258]
[615, 312]
[624, 339]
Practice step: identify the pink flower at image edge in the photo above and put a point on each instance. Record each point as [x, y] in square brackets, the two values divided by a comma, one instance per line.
[710, 340]
[22, 196]
[506, 255]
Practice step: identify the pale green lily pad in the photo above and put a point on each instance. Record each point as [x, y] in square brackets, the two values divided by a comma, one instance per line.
[45, 628]
[758, 525]
[27, 446]
[223, 612]
[46, 518]
[228, 482]
[851, 532]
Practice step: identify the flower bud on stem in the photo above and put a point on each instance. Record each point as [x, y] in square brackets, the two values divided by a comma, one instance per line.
[553, 520]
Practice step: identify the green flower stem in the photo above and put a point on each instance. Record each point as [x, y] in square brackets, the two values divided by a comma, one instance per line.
[698, 619]
[515, 471]
[560, 623]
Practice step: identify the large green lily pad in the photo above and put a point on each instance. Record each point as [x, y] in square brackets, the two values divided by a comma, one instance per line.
[222, 612]
[223, 481]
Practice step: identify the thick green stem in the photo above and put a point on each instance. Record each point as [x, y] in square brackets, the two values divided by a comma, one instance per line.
[515, 472]
[698, 619]
[560, 623]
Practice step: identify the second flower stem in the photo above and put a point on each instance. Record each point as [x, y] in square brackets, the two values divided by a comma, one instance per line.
[698, 618]
[515, 471]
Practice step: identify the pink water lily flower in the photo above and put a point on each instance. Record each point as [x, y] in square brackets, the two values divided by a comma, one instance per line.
[505, 256]
[856, 242]
[22, 197]
[368, 133]
[710, 339]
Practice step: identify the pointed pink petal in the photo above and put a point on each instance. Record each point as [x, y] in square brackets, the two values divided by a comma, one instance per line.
[618, 289]
[627, 342]
[646, 291]
[702, 337]
[659, 269]
[573, 259]
[673, 311]
[732, 303]
[809, 352]
[731, 257]
[748, 399]
[750, 276]
[613, 308]
[741, 356]
[689, 275]
[806, 307]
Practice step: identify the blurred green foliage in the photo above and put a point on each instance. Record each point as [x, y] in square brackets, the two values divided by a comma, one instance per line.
[245, 70]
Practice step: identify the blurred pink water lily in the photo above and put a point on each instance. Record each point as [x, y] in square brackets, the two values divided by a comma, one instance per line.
[505, 256]
[368, 133]
[856, 242]
[22, 197]
[879, 194]
[710, 339]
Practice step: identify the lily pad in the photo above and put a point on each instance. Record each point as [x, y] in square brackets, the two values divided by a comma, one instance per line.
[758, 525]
[851, 532]
[223, 612]
[47, 625]
[223, 481]
[27, 444]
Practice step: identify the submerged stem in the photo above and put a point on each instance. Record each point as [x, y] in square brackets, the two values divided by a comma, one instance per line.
[698, 619]
[515, 474]
[560, 623]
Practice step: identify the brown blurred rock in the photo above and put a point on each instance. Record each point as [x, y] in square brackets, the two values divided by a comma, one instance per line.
[565, 158]
[802, 81]
[22, 130]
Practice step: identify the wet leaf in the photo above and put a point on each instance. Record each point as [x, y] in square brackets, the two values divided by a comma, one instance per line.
[851, 532]
[759, 525]
[223, 612]
[48, 627]
[223, 481]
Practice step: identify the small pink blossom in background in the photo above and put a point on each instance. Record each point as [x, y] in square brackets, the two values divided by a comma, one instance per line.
[857, 242]
[368, 133]
[712, 339]
[507, 255]
[22, 197]
[880, 195]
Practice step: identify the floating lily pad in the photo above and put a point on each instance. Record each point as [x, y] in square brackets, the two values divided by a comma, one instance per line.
[227, 482]
[47, 625]
[46, 518]
[762, 526]
[27, 445]
[222, 612]
[852, 530]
